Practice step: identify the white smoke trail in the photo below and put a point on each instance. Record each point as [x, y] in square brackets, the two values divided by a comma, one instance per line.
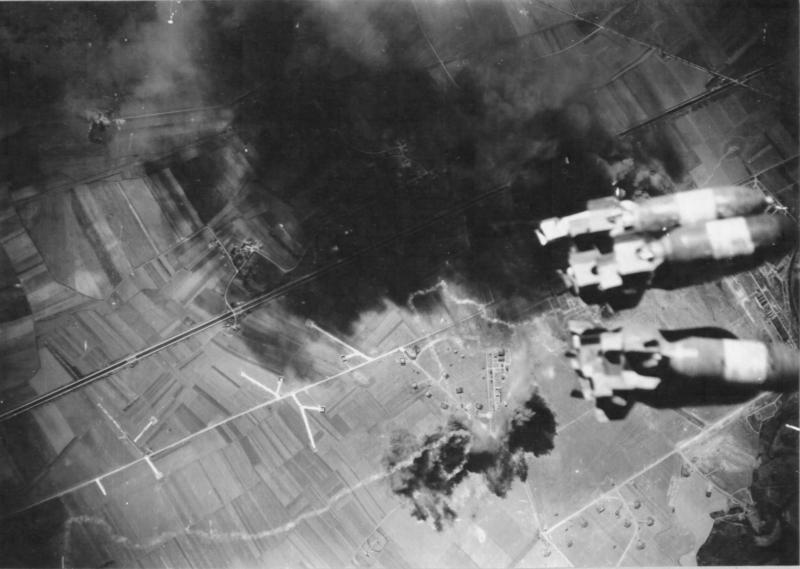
[423, 292]
[215, 536]
[449, 295]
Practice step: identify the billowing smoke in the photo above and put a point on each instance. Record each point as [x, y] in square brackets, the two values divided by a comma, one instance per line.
[351, 27]
[433, 475]
[353, 115]
[131, 57]
[70, 63]
[377, 132]
[427, 471]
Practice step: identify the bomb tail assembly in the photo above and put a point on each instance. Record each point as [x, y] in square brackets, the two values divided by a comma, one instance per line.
[616, 247]
[614, 364]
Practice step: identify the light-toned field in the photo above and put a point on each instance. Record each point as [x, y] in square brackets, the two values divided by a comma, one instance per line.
[217, 452]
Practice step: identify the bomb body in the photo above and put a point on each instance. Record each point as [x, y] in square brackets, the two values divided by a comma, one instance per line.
[741, 362]
[696, 206]
[614, 364]
[725, 238]
[610, 216]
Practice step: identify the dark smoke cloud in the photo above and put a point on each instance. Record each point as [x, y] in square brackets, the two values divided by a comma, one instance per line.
[379, 145]
[65, 61]
[426, 471]
[352, 27]
[351, 130]
[129, 56]
[431, 478]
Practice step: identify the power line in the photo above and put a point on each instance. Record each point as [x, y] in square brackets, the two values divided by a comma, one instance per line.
[513, 41]
[602, 26]
[697, 99]
[585, 38]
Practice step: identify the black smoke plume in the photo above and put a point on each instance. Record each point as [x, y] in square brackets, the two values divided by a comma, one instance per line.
[427, 470]
[402, 146]
[351, 127]
[373, 142]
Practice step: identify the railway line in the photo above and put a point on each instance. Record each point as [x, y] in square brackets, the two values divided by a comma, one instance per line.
[239, 310]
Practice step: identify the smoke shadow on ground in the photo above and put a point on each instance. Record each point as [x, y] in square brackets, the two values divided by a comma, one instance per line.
[671, 276]
[674, 392]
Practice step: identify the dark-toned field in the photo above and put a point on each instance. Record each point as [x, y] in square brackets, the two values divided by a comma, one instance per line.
[408, 403]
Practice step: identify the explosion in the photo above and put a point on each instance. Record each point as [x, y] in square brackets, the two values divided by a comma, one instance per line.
[426, 471]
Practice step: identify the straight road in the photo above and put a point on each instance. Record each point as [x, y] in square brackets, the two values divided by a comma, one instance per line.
[242, 309]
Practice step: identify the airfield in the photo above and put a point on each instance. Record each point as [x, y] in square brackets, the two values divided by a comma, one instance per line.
[233, 418]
